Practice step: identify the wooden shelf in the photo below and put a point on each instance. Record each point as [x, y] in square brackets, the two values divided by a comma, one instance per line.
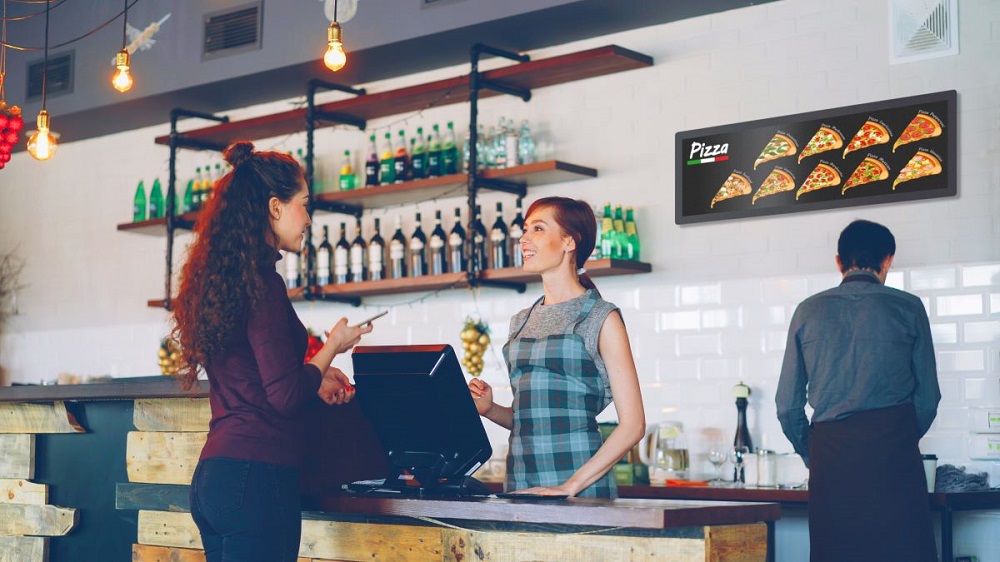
[538, 173]
[595, 268]
[158, 227]
[534, 74]
[293, 294]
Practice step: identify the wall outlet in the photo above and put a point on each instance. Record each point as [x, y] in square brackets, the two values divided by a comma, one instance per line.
[984, 446]
[984, 420]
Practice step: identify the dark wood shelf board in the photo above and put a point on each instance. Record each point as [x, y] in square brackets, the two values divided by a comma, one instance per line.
[534, 74]
[426, 283]
[158, 227]
[595, 268]
[294, 295]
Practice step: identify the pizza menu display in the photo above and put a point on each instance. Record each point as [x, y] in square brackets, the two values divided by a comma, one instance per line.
[890, 151]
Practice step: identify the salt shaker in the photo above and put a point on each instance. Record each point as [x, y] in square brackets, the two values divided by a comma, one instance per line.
[767, 468]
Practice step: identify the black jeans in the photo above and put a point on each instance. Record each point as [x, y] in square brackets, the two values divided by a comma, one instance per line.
[247, 510]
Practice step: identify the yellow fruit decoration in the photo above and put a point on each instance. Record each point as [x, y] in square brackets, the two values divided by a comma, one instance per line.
[168, 356]
[475, 337]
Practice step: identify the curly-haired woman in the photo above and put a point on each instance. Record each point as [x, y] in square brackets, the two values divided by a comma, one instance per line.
[233, 319]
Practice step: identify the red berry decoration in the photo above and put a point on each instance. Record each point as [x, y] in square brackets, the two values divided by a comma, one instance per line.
[16, 123]
[4, 157]
[11, 137]
[5, 148]
[3, 120]
[2, 165]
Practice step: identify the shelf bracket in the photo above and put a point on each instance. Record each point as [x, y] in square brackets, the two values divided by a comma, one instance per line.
[310, 295]
[506, 186]
[341, 208]
[477, 82]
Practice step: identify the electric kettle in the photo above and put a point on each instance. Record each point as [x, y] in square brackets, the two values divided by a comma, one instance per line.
[664, 447]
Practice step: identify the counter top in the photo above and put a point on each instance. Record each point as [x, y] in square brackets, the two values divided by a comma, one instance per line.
[118, 389]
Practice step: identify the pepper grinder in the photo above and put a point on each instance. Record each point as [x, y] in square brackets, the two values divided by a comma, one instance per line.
[742, 438]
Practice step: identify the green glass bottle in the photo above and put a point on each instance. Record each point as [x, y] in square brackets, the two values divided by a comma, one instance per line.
[139, 203]
[449, 152]
[348, 180]
[631, 236]
[188, 205]
[607, 232]
[620, 239]
[418, 155]
[387, 163]
[156, 200]
[434, 156]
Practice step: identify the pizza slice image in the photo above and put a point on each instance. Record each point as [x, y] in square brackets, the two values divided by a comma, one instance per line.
[824, 139]
[922, 164]
[823, 175]
[776, 182]
[923, 126]
[868, 171]
[870, 134]
[735, 185]
[778, 147]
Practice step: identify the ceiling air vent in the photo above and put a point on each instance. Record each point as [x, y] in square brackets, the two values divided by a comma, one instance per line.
[923, 29]
[236, 30]
[60, 76]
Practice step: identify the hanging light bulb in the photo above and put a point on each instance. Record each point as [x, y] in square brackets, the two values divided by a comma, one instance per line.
[42, 143]
[335, 58]
[122, 80]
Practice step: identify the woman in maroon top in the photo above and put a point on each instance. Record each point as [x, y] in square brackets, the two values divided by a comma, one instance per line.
[233, 319]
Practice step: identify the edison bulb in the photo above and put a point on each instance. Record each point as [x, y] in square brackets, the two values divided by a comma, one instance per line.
[42, 143]
[335, 58]
[122, 80]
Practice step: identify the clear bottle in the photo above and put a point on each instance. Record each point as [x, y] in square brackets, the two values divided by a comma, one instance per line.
[324, 257]
[418, 155]
[401, 159]
[156, 201]
[387, 163]
[348, 180]
[434, 156]
[418, 251]
[449, 152]
[341, 258]
[376, 254]
[498, 241]
[371, 163]
[498, 141]
[631, 236]
[456, 244]
[397, 252]
[510, 145]
[293, 274]
[515, 234]
[139, 203]
[525, 144]
[359, 251]
[438, 247]
[479, 239]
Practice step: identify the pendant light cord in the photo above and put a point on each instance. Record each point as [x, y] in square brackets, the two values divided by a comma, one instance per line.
[124, 24]
[3, 54]
[334, 11]
[45, 64]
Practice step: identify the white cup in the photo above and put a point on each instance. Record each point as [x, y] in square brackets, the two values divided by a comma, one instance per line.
[930, 471]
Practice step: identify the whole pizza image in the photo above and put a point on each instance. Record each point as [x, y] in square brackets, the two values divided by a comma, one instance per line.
[873, 136]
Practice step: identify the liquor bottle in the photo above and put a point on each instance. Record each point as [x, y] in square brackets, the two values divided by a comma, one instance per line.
[620, 239]
[607, 232]
[516, 232]
[156, 201]
[397, 252]
[478, 235]
[742, 437]
[386, 163]
[359, 249]
[348, 180]
[434, 156]
[307, 262]
[324, 257]
[139, 203]
[438, 247]
[456, 244]
[371, 164]
[376, 254]
[188, 205]
[341, 258]
[418, 155]
[418, 251]
[498, 241]
[525, 144]
[449, 152]
[401, 159]
[631, 236]
[293, 275]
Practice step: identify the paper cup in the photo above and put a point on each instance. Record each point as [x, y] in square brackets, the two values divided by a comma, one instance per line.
[930, 471]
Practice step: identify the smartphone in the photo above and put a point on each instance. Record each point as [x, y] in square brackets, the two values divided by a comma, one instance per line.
[370, 319]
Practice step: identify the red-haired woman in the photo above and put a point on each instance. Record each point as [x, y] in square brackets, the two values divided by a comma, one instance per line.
[233, 319]
[569, 357]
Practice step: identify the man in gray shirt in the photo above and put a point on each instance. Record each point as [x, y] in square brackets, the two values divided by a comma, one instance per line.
[861, 354]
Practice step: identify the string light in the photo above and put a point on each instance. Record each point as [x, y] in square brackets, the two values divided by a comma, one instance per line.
[122, 80]
[42, 143]
[335, 58]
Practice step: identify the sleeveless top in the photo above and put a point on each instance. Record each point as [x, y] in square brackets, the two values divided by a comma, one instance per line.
[558, 393]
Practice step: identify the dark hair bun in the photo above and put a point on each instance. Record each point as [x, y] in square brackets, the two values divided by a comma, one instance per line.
[238, 153]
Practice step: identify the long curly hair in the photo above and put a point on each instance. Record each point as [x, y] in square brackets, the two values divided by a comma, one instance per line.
[234, 246]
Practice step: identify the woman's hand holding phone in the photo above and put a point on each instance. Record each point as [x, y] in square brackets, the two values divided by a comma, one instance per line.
[343, 337]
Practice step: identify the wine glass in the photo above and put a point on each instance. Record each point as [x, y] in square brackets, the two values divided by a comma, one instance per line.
[737, 454]
[717, 457]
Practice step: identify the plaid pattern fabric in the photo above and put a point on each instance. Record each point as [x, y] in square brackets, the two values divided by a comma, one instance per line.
[558, 393]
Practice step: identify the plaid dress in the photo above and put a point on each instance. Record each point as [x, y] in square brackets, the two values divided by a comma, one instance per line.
[558, 392]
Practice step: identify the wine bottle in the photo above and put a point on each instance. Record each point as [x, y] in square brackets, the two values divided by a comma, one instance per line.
[376, 254]
[418, 155]
[307, 262]
[434, 153]
[438, 247]
[742, 437]
[341, 258]
[139, 203]
[631, 236]
[371, 164]
[401, 159]
[516, 232]
[357, 256]
[386, 163]
[418, 249]
[324, 256]
[478, 235]
[293, 275]
[397, 252]
[498, 241]
[456, 244]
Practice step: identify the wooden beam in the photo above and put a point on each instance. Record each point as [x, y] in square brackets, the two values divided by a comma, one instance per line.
[39, 520]
[736, 543]
[25, 417]
[150, 553]
[172, 414]
[365, 541]
[162, 528]
[161, 457]
[17, 490]
[24, 549]
[17, 456]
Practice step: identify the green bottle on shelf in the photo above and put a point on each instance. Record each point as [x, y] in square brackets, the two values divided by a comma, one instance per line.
[188, 205]
[348, 181]
[139, 203]
[631, 236]
[434, 156]
[156, 200]
[418, 155]
[449, 152]
[607, 232]
[620, 239]
[387, 163]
